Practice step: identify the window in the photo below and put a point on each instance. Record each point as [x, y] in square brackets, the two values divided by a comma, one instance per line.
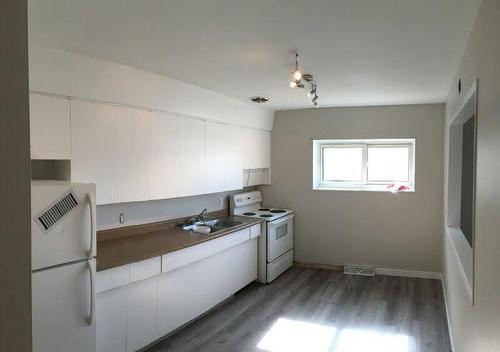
[364, 164]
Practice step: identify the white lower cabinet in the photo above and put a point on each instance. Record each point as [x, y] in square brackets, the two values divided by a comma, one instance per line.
[142, 313]
[111, 320]
[141, 302]
[191, 290]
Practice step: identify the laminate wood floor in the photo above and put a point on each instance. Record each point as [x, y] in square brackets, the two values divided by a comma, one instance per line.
[315, 310]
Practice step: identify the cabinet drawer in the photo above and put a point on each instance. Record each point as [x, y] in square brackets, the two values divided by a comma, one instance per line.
[255, 230]
[112, 278]
[145, 269]
[182, 257]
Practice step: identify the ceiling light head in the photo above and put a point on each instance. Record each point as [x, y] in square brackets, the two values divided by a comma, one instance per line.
[297, 75]
[293, 84]
[259, 99]
[308, 77]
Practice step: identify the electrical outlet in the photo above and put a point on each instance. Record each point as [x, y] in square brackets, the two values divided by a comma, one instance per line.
[121, 218]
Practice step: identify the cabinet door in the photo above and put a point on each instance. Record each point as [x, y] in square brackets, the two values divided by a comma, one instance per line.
[111, 320]
[49, 127]
[264, 148]
[142, 313]
[193, 158]
[234, 160]
[256, 149]
[132, 152]
[166, 155]
[92, 143]
[216, 150]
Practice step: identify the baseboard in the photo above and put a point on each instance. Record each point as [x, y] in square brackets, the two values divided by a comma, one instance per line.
[378, 271]
[408, 273]
[319, 266]
[450, 333]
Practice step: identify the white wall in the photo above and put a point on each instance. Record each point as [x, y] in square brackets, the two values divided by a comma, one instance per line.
[15, 209]
[61, 72]
[397, 231]
[477, 327]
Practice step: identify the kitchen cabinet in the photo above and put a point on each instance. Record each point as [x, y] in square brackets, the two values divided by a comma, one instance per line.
[191, 290]
[216, 150]
[140, 302]
[50, 136]
[224, 167]
[192, 170]
[132, 155]
[92, 147]
[142, 313]
[234, 158]
[256, 148]
[111, 319]
[166, 155]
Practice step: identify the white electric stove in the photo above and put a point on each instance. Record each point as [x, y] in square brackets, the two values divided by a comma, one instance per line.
[276, 242]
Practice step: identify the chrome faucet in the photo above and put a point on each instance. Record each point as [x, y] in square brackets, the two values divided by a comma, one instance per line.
[201, 216]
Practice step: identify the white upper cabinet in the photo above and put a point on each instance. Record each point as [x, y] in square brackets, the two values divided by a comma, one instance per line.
[234, 158]
[132, 155]
[216, 150]
[192, 169]
[166, 155]
[256, 148]
[49, 127]
[92, 145]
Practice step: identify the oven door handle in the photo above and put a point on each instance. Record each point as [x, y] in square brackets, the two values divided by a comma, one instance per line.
[281, 220]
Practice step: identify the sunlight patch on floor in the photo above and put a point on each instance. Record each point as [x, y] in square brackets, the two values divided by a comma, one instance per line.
[296, 336]
[288, 335]
[351, 340]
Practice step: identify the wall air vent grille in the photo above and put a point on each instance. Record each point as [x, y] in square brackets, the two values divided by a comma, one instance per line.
[365, 270]
[58, 210]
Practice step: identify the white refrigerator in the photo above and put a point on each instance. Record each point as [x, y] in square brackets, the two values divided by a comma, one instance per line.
[63, 250]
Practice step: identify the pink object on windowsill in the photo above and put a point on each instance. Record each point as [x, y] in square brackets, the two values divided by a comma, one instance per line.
[396, 189]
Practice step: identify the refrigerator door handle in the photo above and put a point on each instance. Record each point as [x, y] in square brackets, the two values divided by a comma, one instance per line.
[92, 224]
[92, 269]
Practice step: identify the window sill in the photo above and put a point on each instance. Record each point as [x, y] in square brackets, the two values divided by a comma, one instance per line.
[351, 188]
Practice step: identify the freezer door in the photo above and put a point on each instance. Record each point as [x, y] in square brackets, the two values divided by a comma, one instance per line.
[73, 237]
[63, 300]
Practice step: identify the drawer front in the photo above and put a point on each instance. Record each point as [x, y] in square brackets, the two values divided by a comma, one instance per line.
[112, 278]
[182, 257]
[145, 269]
[255, 230]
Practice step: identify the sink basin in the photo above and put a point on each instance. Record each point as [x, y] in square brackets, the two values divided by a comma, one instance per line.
[212, 226]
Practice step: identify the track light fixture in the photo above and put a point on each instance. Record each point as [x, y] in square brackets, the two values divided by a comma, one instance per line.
[300, 79]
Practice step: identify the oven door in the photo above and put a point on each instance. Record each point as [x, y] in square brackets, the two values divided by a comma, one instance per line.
[279, 237]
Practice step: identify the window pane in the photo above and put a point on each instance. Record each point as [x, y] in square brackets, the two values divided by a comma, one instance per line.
[388, 164]
[343, 164]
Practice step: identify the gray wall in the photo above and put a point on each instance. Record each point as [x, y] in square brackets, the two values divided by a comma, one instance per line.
[396, 231]
[156, 210]
[476, 327]
[15, 213]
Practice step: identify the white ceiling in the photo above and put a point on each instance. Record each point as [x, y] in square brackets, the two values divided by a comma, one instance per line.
[362, 52]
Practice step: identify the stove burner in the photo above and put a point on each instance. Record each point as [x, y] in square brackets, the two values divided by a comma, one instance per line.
[264, 209]
[249, 213]
[266, 216]
[277, 211]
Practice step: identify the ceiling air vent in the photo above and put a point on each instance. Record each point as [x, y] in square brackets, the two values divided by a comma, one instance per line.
[52, 215]
[259, 100]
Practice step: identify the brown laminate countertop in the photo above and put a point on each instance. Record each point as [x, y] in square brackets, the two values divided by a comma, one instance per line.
[114, 251]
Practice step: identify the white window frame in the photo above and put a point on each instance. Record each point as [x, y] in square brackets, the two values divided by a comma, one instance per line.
[319, 183]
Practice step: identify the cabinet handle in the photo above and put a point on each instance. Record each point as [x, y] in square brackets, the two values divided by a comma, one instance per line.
[92, 269]
[92, 224]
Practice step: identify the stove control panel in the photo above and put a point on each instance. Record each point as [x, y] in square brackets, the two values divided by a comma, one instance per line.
[247, 198]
